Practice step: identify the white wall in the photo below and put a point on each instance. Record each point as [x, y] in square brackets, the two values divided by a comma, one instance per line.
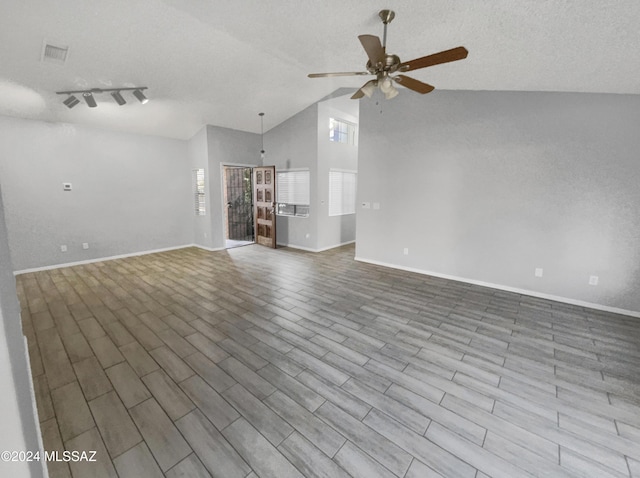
[293, 144]
[19, 430]
[488, 186]
[334, 230]
[131, 193]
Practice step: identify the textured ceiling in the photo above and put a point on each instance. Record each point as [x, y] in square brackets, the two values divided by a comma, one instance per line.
[222, 62]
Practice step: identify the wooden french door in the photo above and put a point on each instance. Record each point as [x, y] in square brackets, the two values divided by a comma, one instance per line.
[264, 208]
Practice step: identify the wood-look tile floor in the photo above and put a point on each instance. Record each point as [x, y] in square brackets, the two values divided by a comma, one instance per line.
[278, 363]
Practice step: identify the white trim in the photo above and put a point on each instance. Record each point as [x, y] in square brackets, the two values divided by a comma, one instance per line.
[308, 249]
[293, 246]
[210, 249]
[516, 290]
[109, 258]
[334, 246]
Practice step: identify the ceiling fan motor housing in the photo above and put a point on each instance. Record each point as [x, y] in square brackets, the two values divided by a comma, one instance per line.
[390, 64]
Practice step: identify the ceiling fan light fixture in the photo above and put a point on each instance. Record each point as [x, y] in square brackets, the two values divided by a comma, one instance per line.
[369, 88]
[140, 96]
[118, 97]
[391, 93]
[90, 100]
[386, 85]
[71, 101]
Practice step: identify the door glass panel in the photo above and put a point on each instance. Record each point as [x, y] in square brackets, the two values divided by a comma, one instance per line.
[239, 207]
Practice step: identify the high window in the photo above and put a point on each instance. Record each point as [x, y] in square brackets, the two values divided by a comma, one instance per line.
[341, 131]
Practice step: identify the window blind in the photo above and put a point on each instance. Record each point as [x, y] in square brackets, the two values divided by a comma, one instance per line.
[342, 192]
[292, 187]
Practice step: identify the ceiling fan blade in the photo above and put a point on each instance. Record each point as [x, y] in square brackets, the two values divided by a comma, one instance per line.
[373, 47]
[414, 84]
[329, 75]
[446, 56]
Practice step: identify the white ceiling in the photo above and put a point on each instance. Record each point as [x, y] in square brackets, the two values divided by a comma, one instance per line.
[221, 62]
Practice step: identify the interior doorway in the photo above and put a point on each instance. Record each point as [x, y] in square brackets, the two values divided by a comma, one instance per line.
[238, 206]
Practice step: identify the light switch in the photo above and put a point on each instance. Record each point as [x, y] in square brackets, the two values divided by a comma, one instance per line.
[376, 205]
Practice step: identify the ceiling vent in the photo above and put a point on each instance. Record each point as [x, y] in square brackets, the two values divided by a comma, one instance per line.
[54, 53]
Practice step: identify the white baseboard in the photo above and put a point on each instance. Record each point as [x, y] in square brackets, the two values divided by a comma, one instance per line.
[102, 259]
[210, 249]
[335, 245]
[308, 249]
[540, 295]
[294, 246]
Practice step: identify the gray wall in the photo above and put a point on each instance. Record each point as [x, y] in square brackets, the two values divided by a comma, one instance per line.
[19, 430]
[334, 230]
[130, 192]
[293, 144]
[487, 186]
[226, 146]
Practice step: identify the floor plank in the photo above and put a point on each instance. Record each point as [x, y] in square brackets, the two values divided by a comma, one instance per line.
[163, 438]
[213, 450]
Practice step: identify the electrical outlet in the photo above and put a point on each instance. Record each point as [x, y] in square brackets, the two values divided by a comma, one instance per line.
[85, 245]
[406, 251]
[63, 248]
[593, 280]
[538, 272]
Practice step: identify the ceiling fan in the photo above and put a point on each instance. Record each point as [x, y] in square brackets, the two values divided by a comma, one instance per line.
[383, 65]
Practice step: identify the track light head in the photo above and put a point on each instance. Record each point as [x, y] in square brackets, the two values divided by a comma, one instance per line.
[140, 95]
[90, 100]
[71, 101]
[118, 97]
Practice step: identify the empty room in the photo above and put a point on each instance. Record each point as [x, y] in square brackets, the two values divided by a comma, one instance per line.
[320, 239]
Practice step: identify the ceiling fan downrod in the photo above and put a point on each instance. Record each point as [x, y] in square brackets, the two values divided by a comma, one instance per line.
[386, 16]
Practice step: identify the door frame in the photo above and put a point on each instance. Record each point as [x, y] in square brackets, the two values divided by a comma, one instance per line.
[223, 186]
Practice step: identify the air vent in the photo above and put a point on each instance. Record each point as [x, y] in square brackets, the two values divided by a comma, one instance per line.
[54, 53]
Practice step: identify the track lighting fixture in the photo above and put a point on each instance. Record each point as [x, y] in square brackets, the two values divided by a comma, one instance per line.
[71, 101]
[90, 100]
[118, 97]
[89, 95]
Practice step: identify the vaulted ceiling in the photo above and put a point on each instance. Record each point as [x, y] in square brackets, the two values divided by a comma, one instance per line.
[221, 62]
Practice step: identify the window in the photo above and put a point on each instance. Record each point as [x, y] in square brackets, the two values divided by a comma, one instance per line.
[342, 192]
[342, 131]
[292, 193]
[198, 189]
